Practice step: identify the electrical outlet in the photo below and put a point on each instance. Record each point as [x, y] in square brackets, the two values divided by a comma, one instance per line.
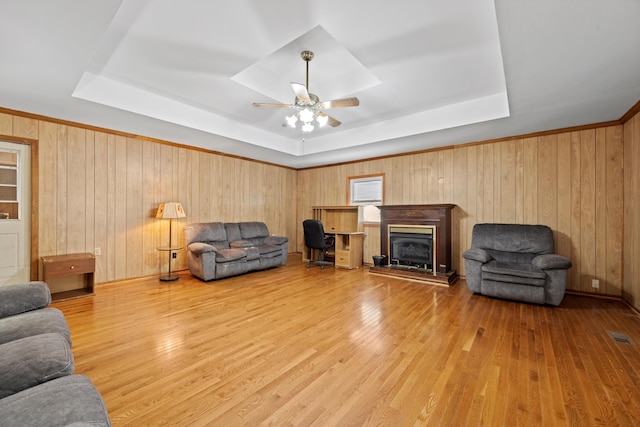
[174, 255]
[97, 251]
[595, 284]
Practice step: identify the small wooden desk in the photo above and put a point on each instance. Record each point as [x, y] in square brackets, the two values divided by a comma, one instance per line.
[348, 248]
[69, 265]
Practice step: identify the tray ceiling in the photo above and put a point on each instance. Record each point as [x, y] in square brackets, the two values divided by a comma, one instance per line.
[427, 73]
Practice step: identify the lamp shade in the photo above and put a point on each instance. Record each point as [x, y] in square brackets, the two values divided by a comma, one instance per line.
[170, 210]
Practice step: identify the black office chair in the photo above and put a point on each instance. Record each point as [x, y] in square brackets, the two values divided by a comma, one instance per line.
[314, 238]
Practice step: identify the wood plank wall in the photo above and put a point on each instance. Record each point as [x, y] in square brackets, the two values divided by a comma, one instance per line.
[102, 189]
[570, 181]
[631, 291]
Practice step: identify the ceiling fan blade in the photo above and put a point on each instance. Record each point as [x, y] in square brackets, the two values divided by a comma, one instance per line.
[340, 103]
[332, 122]
[270, 105]
[301, 92]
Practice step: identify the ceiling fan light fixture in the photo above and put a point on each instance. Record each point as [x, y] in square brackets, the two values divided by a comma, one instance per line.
[308, 106]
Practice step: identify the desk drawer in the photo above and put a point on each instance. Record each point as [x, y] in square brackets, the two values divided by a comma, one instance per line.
[71, 266]
[343, 259]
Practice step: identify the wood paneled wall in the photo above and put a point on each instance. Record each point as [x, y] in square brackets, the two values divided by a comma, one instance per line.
[631, 291]
[101, 189]
[570, 181]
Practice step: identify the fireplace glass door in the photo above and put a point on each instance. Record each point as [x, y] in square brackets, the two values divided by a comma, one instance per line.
[412, 246]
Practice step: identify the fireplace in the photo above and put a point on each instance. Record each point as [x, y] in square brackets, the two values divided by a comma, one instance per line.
[416, 242]
[412, 246]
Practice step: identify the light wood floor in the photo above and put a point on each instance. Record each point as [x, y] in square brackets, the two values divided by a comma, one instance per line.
[296, 346]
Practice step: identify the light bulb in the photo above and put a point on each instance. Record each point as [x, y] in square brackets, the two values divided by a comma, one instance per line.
[307, 127]
[322, 120]
[306, 115]
[291, 120]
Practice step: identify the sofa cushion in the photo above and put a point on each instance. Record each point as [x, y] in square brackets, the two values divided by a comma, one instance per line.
[34, 322]
[242, 244]
[269, 250]
[33, 360]
[23, 297]
[275, 240]
[219, 244]
[521, 238]
[524, 274]
[205, 232]
[253, 230]
[59, 402]
[512, 257]
[233, 231]
[232, 254]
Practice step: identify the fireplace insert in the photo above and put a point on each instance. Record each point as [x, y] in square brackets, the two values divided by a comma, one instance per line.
[412, 247]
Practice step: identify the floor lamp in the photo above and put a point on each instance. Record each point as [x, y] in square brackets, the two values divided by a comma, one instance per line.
[170, 211]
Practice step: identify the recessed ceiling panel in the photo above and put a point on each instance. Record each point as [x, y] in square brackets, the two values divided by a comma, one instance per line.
[333, 72]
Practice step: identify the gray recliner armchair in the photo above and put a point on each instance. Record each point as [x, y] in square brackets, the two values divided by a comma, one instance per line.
[516, 262]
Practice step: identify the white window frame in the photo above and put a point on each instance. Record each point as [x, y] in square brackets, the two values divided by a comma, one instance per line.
[369, 191]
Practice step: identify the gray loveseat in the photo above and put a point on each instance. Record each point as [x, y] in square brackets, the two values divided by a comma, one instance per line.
[517, 262]
[216, 250]
[37, 387]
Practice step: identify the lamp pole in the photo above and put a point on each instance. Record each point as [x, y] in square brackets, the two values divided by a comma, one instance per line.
[170, 211]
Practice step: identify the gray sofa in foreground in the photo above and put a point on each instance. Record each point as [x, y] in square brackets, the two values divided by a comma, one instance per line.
[216, 250]
[516, 262]
[37, 387]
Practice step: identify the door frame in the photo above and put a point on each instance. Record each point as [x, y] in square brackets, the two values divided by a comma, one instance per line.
[33, 143]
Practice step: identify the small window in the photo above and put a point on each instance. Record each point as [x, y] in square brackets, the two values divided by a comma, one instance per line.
[9, 185]
[367, 191]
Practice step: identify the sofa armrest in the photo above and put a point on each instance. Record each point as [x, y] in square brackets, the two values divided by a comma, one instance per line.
[551, 261]
[23, 297]
[70, 400]
[275, 240]
[242, 244]
[199, 248]
[477, 254]
[30, 361]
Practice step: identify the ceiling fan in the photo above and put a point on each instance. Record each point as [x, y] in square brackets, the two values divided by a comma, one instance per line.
[308, 106]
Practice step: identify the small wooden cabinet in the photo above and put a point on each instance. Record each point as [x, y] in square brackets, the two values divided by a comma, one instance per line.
[348, 249]
[61, 273]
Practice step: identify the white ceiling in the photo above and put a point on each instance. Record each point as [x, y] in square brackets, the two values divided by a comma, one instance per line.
[428, 73]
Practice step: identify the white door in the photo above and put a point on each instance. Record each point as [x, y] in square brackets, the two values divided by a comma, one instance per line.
[15, 212]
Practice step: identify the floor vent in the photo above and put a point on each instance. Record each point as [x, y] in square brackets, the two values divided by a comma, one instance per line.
[621, 338]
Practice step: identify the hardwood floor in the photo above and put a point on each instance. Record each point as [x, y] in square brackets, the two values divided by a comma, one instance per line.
[296, 346]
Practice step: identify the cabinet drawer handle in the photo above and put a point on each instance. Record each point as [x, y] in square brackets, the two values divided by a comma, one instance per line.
[72, 267]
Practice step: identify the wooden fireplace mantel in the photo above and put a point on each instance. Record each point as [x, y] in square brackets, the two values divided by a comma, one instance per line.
[438, 216]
